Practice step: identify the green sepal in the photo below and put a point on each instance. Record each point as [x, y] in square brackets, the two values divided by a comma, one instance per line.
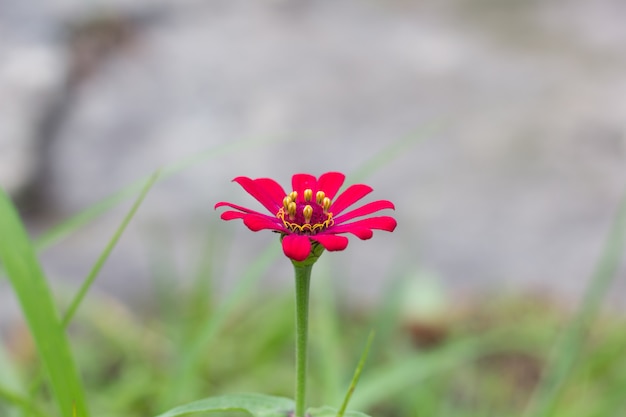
[257, 405]
[316, 252]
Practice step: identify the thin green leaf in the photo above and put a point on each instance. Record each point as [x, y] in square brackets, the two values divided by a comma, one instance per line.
[20, 401]
[357, 374]
[388, 154]
[95, 270]
[390, 379]
[10, 382]
[30, 285]
[80, 295]
[256, 405]
[194, 351]
[568, 348]
[77, 221]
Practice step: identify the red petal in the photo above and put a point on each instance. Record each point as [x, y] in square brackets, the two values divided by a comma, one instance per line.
[353, 194]
[260, 193]
[256, 223]
[240, 208]
[330, 183]
[297, 247]
[369, 208]
[331, 242]
[272, 188]
[361, 232]
[231, 215]
[381, 223]
[301, 182]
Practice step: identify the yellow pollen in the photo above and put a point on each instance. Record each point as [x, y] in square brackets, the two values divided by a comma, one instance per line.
[308, 195]
[293, 195]
[307, 211]
[319, 197]
[292, 210]
[304, 226]
[286, 202]
[326, 204]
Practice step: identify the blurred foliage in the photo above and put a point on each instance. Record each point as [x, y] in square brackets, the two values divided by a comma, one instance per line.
[488, 358]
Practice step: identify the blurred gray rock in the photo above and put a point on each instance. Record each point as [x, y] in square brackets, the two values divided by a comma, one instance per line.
[514, 189]
[30, 76]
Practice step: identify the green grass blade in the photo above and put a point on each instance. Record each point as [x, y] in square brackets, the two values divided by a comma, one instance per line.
[390, 153]
[193, 352]
[388, 313]
[255, 405]
[569, 346]
[22, 402]
[357, 374]
[10, 384]
[95, 270]
[37, 304]
[392, 378]
[77, 221]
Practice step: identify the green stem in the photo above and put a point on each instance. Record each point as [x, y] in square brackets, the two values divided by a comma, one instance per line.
[303, 279]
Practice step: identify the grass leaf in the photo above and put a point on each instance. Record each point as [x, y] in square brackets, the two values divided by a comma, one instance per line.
[193, 352]
[21, 401]
[256, 405]
[389, 153]
[569, 346]
[392, 378]
[95, 270]
[34, 295]
[357, 374]
[77, 221]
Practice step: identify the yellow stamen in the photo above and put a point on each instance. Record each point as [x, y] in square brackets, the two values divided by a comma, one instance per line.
[308, 195]
[293, 195]
[292, 210]
[307, 211]
[286, 202]
[306, 228]
[319, 197]
[326, 204]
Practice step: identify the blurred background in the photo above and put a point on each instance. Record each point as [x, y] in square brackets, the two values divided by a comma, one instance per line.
[517, 111]
[500, 124]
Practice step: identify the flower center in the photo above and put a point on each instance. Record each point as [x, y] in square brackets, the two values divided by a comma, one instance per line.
[306, 217]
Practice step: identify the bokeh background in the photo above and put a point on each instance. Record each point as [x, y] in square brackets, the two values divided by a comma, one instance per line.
[510, 117]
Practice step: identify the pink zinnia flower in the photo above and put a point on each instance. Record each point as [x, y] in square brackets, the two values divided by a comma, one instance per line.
[310, 215]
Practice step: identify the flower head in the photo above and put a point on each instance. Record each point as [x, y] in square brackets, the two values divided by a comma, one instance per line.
[310, 216]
